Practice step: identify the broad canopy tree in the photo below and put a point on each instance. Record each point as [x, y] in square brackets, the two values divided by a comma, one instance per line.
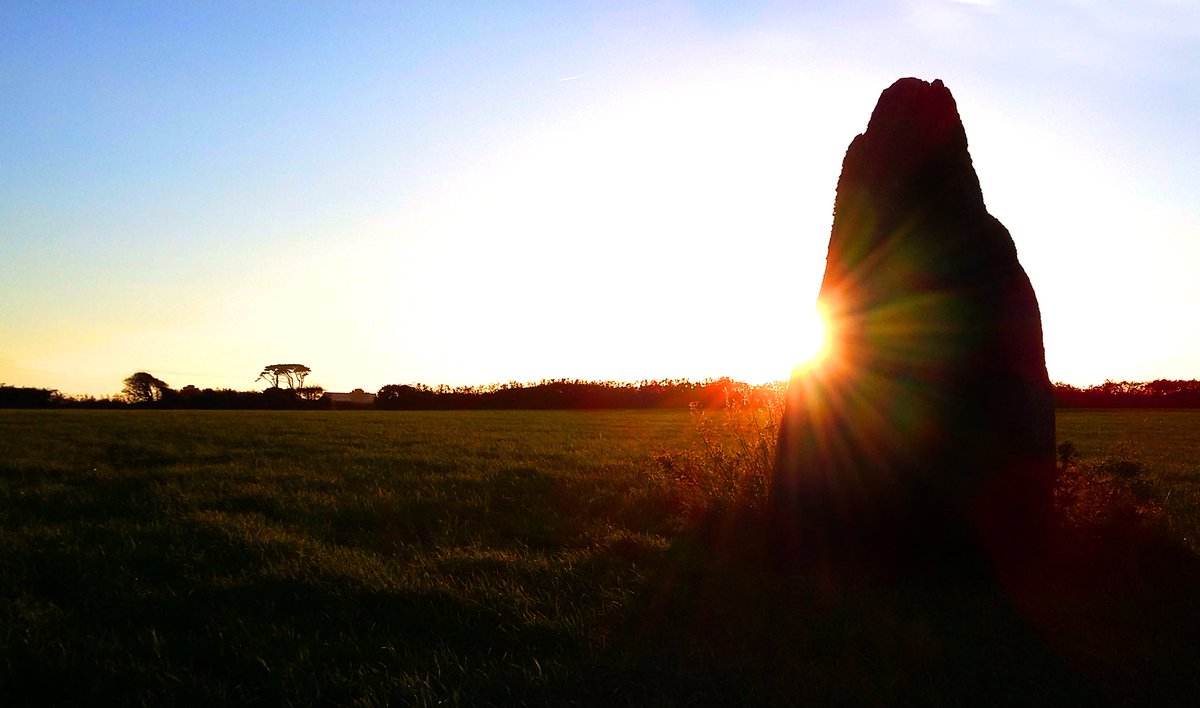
[291, 374]
[144, 388]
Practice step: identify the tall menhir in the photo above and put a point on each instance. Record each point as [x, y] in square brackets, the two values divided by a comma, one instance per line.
[931, 426]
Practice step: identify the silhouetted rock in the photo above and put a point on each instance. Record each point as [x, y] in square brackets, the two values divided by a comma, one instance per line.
[931, 424]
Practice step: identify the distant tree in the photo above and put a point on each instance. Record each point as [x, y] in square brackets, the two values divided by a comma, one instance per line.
[292, 374]
[144, 388]
[396, 396]
[311, 393]
[28, 397]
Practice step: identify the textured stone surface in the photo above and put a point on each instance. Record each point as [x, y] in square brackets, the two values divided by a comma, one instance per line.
[931, 421]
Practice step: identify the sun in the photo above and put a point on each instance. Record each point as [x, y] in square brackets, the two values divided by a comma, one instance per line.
[813, 339]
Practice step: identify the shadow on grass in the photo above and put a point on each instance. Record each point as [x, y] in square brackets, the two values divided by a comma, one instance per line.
[249, 598]
[1100, 614]
[201, 618]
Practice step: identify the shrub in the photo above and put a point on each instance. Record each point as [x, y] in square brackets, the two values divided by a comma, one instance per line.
[727, 462]
[1106, 492]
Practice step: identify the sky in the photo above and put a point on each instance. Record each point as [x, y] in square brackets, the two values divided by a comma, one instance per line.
[476, 192]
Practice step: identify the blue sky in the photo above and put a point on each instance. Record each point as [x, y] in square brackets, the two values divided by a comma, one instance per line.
[476, 192]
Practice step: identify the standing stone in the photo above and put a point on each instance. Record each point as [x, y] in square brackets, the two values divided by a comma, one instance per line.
[931, 423]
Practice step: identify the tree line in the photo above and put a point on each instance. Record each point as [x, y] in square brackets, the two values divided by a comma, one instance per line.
[144, 390]
[1161, 393]
[571, 394]
[287, 390]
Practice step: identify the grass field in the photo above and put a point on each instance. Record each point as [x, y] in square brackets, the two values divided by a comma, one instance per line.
[1166, 443]
[476, 558]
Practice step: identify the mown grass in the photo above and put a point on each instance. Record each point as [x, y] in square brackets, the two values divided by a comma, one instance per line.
[498, 558]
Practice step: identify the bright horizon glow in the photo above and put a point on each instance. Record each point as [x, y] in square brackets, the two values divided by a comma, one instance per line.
[412, 194]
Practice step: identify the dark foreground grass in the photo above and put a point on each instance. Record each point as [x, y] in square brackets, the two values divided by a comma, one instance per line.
[507, 558]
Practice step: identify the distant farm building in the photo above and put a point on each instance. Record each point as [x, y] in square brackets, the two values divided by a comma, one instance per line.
[354, 399]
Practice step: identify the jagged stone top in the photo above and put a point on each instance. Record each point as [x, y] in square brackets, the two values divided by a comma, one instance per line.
[915, 103]
[915, 135]
[908, 184]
